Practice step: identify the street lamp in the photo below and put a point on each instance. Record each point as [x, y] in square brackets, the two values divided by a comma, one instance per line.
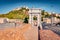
[52, 13]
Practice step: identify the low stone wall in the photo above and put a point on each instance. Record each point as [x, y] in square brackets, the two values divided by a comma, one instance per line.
[8, 25]
[4, 20]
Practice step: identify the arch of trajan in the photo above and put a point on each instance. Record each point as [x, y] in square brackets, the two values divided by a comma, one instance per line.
[35, 12]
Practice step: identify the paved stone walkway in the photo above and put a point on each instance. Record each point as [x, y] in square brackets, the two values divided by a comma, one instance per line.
[26, 32]
[48, 35]
[31, 34]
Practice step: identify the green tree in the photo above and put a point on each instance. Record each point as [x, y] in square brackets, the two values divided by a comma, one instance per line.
[43, 11]
[34, 18]
[26, 20]
[58, 17]
[47, 15]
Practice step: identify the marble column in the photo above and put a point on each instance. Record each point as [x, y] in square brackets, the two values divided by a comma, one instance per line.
[32, 20]
[40, 21]
[30, 17]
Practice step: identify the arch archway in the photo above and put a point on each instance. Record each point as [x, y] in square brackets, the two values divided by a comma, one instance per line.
[37, 13]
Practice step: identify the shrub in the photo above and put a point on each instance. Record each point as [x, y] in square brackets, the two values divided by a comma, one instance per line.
[26, 20]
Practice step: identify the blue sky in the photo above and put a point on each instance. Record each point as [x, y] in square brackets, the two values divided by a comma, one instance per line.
[47, 5]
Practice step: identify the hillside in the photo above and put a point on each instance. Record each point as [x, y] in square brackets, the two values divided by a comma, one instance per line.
[21, 13]
[16, 14]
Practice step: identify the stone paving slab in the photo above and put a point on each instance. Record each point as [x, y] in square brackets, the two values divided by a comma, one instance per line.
[48, 35]
[26, 32]
[31, 34]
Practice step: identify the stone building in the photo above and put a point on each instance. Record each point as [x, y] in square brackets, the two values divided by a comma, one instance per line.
[4, 20]
[47, 20]
[51, 20]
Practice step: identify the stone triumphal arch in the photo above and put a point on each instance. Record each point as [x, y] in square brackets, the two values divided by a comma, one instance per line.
[35, 12]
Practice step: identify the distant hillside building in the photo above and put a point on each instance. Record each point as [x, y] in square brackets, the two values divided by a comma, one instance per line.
[16, 9]
[3, 20]
[49, 20]
[58, 15]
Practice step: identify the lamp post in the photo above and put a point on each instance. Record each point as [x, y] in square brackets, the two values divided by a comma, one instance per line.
[52, 18]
